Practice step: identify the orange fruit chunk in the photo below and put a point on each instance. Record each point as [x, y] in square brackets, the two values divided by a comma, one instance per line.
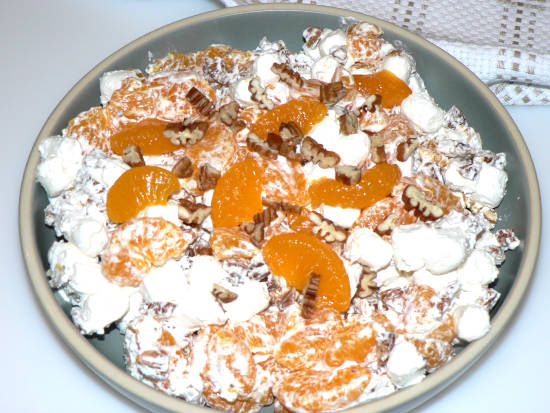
[95, 126]
[376, 183]
[238, 195]
[322, 390]
[162, 97]
[138, 188]
[232, 243]
[384, 83]
[352, 343]
[177, 62]
[374, 215]
[294, 256]
[284, 180]
[139, 244]
[305, 113]
[147, 134]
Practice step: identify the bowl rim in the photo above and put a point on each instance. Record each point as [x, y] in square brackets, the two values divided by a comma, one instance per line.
[151, 398]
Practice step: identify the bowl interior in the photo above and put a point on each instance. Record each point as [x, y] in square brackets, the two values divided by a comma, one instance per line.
[447, 81]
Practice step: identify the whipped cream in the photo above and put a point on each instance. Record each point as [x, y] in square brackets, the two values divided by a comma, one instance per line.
[109, 82]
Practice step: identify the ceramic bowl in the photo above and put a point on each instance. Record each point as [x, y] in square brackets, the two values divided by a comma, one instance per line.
[242, 27]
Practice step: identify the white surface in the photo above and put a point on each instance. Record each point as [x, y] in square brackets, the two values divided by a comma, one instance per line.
[46, 47]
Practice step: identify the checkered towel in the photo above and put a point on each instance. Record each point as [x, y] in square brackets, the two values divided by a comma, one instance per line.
[505, 43]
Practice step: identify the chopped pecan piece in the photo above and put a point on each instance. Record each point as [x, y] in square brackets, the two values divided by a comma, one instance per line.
[132, 156]
[229, 112]
[326, 229]
[186, 133]
[331, 93]
[192, 213]
[387, 226]
[415, 199]
[256, 232]
[256, 144]
[290, 133]
[208, 177]
[274, 141]
[287, 75]
[348, 123]
[312, 35]
[282, 205]
[183, 168]
[222, 294]
[405, 149]
[310, 295]
[257, 94]
[491, 216]
[266, 216]
[370, 103]
[200, 102]
[347, 174]
[288, 299]
[316, 153]
[366, 285]
[378, 154]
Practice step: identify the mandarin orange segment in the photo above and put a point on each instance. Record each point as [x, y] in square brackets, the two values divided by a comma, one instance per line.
[162, 97]
[138, 245]
[138, 188]
[147, 134]
[294, 256]
[363, 42]
[301, 350]
[95, 126]
[305, 113]
[284, 180]
[232, 243]
[300, 223]
[437, 193]
[384, 83]
[322, 390]
[238, 195]
[374, 215]
[376, 183]
[177, 62]
[217, 148]
[352, 343]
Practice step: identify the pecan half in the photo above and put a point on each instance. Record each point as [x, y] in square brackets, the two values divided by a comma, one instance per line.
[316, 153]
[200, 102]
[348, 123]
[377, 150]
[192, 213]
[183, 168]
[266, 216]
[274, 141]
[347, 174]
[326, 229]
[257, 94]
[309, 295]
[287, 75]
[132, 156]
[257, 144]
[229, 112]
[406, 149]
[415, 199]
[222, 294]
[367, 286]
[208, 177]
[186, 133]
[331, 93]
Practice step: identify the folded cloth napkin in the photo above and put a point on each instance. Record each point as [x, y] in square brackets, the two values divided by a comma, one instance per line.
[505, 43]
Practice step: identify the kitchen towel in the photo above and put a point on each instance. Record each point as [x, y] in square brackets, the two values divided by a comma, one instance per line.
[505, 43]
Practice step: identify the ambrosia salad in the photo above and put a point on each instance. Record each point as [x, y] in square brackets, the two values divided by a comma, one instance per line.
[309, 230]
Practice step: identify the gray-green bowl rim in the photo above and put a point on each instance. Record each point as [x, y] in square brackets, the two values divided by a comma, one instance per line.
[151, 398]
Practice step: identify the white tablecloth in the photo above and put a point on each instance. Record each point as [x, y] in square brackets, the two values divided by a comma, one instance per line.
[45, 48]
